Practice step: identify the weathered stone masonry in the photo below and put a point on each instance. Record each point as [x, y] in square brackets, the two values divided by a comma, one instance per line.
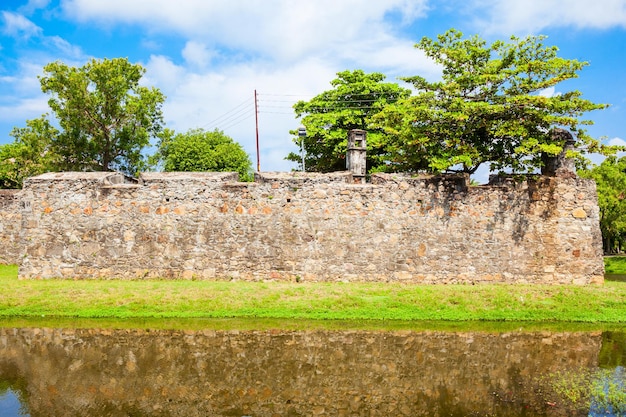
[10, 227]
[295, 226]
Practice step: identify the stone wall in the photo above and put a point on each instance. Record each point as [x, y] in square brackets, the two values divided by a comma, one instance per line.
[322, 227]
[10, 227]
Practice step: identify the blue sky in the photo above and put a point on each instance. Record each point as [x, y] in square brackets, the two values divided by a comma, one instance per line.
[209, 56]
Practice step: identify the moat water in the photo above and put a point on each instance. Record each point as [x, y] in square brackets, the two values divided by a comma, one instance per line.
[217, 368]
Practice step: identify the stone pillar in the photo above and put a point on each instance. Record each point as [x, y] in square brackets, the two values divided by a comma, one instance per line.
[560, 165]
[356, 156]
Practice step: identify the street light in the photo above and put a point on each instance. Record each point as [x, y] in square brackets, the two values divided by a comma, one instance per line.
[302, 135]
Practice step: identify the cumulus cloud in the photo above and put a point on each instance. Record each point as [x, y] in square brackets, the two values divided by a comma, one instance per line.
[22, 98]
[284, 50]
[18, 26]
[597, 159]
[64, 47]
[33, 5]
[549, 92]
[532, 16]
[224, 100]
[280, 29]
[617, 142]
[24, 108]
[197, 54]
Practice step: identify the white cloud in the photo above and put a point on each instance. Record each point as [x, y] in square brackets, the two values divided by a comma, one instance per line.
[597, 159]
[24, 82]
[64, 47]
[22, 98]
[549, 92]
[617, 142]
[18, 26]
[531, 16]
[225, 100]
[162, 72]
[24, 108]
[284, 30]
[284, 50]
[33, 5]
[197, 54]
[393, 57]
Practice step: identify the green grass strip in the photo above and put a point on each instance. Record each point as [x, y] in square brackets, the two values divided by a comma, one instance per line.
[327, 301]
[615, 264]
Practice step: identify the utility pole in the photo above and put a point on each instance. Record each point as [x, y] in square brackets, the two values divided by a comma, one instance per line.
[302, 136]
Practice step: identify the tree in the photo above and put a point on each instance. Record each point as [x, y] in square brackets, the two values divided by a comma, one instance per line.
[491, 106]
[199, 150]
[106, 117]
[328, 117]
[610, 178]
[30, 154]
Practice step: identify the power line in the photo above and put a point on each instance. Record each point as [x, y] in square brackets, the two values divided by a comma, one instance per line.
[373, 93]
[276, 112]
[282, 95]
[234, 116]
[238, 121]
[331, 105]
[273, 103]
[227, 114]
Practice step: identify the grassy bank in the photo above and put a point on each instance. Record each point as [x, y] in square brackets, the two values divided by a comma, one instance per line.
[337, 301]
[615, 264]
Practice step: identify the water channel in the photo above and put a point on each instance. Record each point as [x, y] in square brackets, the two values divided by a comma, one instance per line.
[274, 370]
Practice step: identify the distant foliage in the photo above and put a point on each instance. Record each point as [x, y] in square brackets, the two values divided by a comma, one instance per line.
[30, 154]
[199, 150]
[350, 104]
[492, 105]
[103, 121]
[106, 117]
[610, 178]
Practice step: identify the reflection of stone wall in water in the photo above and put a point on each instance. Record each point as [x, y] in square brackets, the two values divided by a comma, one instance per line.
[311, 226]
[286, 373]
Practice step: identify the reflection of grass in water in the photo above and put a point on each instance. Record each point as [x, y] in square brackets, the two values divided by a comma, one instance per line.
[613, 352]
[603, 391]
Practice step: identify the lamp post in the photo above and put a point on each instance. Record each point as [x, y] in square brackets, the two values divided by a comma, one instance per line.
[302, 135]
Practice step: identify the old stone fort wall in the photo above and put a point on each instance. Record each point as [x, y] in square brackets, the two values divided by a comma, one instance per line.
[303, 227]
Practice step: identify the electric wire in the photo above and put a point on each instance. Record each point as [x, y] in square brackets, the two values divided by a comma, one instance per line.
[282, 104]
[234, 116]
[228, 114]
[238, 121]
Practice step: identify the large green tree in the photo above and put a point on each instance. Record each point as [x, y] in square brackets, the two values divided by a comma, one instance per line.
[29, 154]
[490, 106]
[328, 117]
[106, 117]
[200, 150]
[610, 178]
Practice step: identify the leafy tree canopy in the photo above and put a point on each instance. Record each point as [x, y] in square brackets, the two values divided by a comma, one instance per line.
[106, 117]
[328, 117]
[489, 107]
[610, 178]
[30, 154]
[199, 150]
